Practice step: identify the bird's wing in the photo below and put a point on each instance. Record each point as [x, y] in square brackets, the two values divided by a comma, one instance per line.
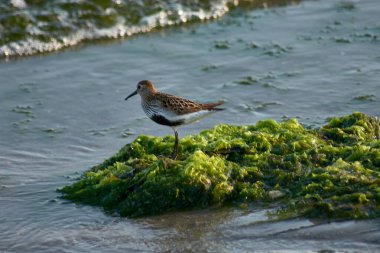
[178, 105]
[212, 106]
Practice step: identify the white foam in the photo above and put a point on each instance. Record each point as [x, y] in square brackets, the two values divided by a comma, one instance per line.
[20, 4]
[120, 29]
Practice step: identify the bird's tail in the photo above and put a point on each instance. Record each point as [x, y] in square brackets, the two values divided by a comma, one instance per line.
[212, 106]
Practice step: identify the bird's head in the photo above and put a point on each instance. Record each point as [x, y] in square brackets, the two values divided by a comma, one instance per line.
[144, 89]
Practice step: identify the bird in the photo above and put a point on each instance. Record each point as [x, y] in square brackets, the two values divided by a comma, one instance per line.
[170, 110]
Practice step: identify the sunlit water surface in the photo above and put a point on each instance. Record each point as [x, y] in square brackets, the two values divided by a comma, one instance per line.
[65, 112]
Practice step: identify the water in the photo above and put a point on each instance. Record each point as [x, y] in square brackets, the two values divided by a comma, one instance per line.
[65, 112]
[35, 26]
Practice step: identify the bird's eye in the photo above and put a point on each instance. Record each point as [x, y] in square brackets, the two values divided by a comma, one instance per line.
[139, 86]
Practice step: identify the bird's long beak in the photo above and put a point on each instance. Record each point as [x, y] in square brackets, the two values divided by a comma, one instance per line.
[134, 93]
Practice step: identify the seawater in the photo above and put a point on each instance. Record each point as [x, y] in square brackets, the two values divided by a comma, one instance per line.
[29, 27]
[65, 112]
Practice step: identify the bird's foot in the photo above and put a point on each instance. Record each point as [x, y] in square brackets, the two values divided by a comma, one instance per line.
[174, 155]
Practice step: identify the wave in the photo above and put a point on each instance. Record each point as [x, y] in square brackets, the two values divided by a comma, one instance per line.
[30, 27]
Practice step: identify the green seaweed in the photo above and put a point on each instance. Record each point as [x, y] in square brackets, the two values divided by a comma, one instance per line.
[248, 80]
[369, 97]
[225, 44]
[331, 172]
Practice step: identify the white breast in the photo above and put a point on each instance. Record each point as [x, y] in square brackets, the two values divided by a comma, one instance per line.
[150, 109]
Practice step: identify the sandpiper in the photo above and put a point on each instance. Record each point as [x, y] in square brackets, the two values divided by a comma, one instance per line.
[170, 110]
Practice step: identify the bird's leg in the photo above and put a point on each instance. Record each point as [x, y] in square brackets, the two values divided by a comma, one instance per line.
[175, 149]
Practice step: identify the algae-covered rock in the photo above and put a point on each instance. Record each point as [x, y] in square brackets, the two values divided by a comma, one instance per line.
[331, 172]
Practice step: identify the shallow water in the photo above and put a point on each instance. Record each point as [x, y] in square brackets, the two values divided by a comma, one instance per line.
[65, 112]
[28, 27]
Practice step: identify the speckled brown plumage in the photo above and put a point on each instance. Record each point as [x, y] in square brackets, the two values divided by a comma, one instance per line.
[181, 105]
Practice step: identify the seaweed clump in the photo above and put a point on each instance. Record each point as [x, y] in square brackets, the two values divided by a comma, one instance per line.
[332, 172]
